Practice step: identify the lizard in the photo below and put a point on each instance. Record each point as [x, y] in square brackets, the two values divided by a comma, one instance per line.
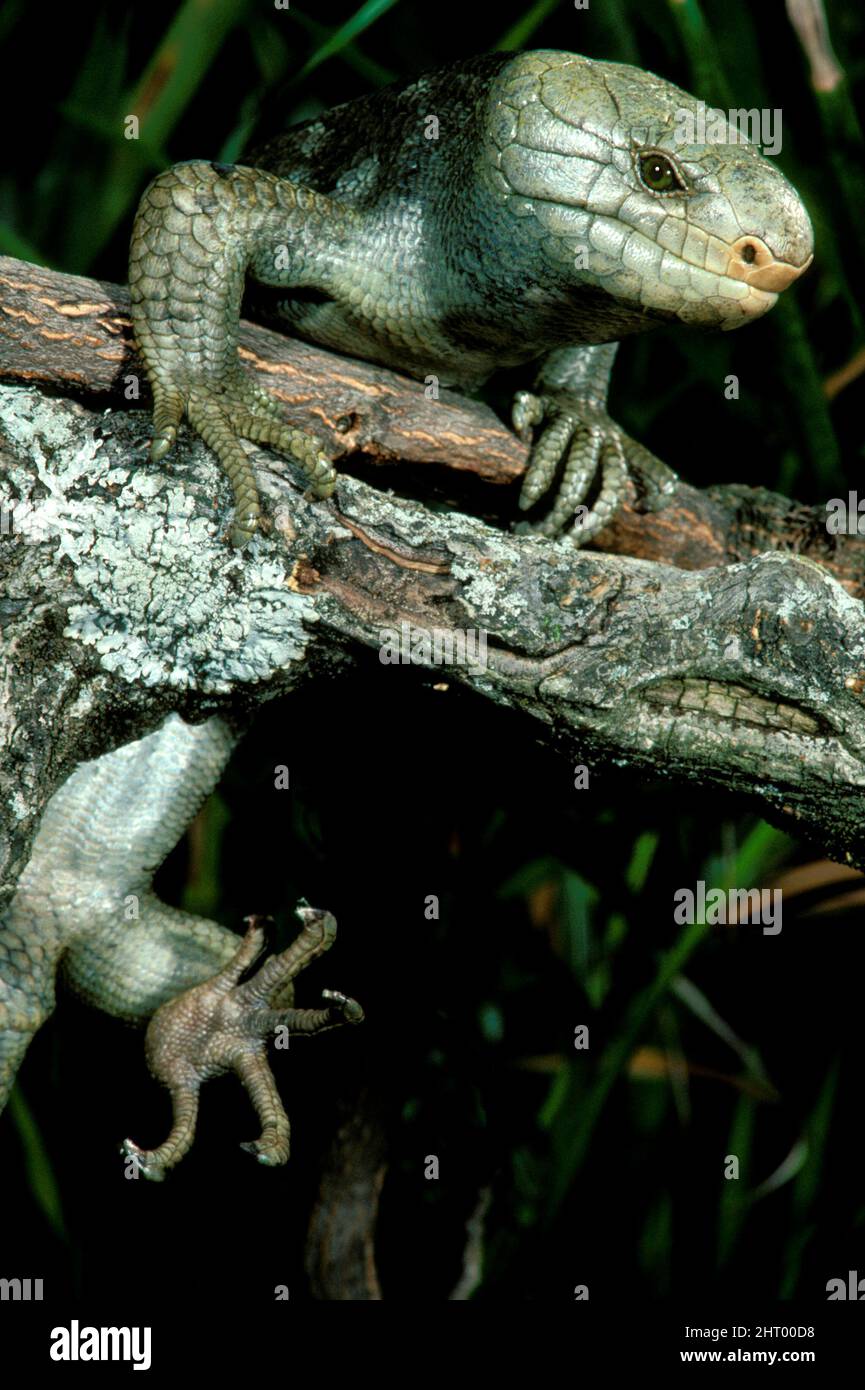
[556, 211]
[503, 211]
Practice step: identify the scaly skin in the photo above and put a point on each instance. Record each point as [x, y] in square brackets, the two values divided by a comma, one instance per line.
[528, 229]
[85, 906]
[222, 1025]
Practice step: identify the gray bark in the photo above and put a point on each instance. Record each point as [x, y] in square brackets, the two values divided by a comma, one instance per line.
[120, 601]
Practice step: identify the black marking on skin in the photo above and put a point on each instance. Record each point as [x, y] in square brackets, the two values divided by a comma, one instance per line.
[272, 304]
[307, 295]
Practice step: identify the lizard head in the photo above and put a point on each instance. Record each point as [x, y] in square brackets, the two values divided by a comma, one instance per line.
[656, 204]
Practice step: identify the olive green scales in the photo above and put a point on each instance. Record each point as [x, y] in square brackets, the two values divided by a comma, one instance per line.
[507, 210]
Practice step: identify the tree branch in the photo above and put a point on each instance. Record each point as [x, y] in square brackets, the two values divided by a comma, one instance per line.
[120, 600]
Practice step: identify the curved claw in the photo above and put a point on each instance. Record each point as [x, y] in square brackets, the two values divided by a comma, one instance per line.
[154, 1171]
[526, 411]
[271, 1155]
[322, 482]
[162, 443]
[349, 1008]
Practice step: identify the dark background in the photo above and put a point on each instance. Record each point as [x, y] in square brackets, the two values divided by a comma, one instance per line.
[606, 1167]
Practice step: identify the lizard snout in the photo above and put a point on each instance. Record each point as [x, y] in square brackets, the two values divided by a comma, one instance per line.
[752, 261]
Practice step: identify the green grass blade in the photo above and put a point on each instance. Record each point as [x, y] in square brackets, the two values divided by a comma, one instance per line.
[40, 1174]
[342, 37]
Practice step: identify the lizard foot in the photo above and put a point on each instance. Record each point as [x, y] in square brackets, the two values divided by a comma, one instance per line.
[223, 412]
[581, 441]
[223, 1025]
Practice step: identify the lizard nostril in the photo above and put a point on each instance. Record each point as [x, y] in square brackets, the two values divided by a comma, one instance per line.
[748, 251]
[754, 262]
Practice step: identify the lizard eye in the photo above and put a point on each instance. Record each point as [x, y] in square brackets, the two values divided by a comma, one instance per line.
[659, 173]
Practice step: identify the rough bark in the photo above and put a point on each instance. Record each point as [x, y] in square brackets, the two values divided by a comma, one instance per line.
[733, 663]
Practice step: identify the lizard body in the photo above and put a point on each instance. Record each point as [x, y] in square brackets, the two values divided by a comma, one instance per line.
[555, 212]
[503, 211]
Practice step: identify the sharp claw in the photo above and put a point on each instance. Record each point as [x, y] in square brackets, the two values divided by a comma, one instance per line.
[242, 531]
[161, 444]
[317, 916]
[351, 1010]
[527, 410]
[271, 1158]
[153, 1172]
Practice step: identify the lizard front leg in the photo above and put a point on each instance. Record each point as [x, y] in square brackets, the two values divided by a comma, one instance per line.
[223, 1025]
[580, 441]
[200, 228]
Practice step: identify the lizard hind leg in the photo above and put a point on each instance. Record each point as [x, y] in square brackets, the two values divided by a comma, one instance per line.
[223, 1024]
